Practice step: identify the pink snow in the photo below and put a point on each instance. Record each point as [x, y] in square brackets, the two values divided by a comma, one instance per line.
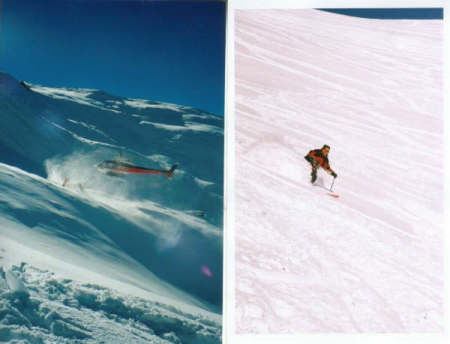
[372, 260]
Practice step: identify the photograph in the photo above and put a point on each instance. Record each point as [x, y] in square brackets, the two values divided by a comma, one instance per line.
[111, 171]
[338, 212]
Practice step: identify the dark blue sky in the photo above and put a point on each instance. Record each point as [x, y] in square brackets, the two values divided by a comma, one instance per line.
[391, 13]
[168, 51]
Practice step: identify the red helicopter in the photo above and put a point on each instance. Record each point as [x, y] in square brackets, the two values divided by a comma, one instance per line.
[121, 167]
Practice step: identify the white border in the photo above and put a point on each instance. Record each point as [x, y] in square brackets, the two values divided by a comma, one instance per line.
[229, 336]
[228, 214]
[446, 161]
[228, 328]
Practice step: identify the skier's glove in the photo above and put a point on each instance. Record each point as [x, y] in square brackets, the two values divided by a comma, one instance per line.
[308, 159]
[334, 174]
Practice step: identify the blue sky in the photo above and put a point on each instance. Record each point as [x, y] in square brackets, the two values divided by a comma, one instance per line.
[167, 51]
[391, 13]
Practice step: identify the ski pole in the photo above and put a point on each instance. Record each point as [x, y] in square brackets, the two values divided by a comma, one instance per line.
[331, 187]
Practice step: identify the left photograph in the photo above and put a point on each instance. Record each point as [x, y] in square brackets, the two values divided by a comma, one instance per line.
[111, 171]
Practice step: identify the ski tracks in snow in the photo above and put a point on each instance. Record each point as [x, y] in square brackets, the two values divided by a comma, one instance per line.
[372, 260]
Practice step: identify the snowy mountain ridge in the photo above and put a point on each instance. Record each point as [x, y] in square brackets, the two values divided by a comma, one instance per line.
[155, 238]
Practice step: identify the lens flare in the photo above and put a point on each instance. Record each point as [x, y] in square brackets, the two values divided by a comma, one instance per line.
[206, 271]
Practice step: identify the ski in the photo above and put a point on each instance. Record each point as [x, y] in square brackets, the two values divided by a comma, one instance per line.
[329, 193]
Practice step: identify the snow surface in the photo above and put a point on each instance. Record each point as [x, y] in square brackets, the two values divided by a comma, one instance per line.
[48, 309]
[89, 258]
[371, 260]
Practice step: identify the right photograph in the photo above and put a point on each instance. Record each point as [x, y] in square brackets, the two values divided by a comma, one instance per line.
[339, 171]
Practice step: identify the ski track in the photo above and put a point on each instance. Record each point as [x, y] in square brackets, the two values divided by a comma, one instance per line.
[372, 260]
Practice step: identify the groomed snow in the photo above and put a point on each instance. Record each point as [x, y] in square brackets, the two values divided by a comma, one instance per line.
[371, 260]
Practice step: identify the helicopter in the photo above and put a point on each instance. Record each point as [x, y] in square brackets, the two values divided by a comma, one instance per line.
[121, 167]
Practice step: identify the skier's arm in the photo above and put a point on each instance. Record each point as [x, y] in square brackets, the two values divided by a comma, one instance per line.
[310, 157]
[330, 171]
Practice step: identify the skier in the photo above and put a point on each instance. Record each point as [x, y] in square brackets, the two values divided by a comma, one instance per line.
[319, 158]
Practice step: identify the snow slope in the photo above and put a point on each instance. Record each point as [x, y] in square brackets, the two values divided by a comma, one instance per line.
[372, 260]
[43, 308]
[141, 254]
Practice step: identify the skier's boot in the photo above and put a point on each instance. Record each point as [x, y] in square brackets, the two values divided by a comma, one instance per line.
[313, 176]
